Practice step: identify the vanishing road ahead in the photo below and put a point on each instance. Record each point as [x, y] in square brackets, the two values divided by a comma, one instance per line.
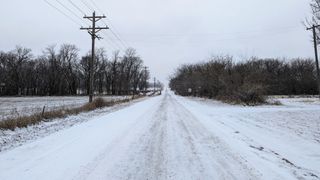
[172, 137]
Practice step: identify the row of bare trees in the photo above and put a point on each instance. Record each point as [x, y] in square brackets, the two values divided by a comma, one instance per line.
[246, 81]
[62, 72]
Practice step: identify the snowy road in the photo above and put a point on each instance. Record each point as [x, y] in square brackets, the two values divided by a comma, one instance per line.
[171, 137]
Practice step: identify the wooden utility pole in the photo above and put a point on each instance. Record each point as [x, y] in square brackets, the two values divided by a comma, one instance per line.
[315, 43]
[145, 80]
[154, 85]
[93, 32]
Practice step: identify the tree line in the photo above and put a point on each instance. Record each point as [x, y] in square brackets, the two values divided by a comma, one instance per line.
[245, 81]
[61, 71]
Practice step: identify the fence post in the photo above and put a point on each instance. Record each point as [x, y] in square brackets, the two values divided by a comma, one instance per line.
[43, 109]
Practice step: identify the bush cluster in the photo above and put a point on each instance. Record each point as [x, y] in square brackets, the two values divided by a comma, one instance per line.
[245, 82]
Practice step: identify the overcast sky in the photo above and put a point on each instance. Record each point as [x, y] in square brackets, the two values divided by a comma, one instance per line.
[165, 33]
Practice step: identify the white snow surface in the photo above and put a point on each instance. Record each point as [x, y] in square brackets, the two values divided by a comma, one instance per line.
[11, 139]
[11, 107]
[173, 137]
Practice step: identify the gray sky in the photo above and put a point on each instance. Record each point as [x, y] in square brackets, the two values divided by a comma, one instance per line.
[165, 33]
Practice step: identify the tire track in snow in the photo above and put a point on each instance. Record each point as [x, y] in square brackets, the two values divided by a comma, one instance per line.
[212, 156]
[170, 144]
[231, 126]
[146, 157]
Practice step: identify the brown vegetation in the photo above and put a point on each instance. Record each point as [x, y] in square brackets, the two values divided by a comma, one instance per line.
[245, 82]
[25, 121]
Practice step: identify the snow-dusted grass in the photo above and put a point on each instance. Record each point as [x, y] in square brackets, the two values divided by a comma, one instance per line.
[10, 139]
[12, 107]
[298, 101]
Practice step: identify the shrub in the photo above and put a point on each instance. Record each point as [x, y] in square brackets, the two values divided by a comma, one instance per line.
[251, 94]
[99, 102]
[245, 82]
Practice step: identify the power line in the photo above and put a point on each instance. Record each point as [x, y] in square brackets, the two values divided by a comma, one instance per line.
[116, 44]
[110, 41]
[94, 4]
[68, 9]
[73, 20]
[115, 34]
[82, 11]
[112, 29]
[87, 5]
[106, 43]
[77, 7]
[112, 46]
[62, 12]
[91, 9]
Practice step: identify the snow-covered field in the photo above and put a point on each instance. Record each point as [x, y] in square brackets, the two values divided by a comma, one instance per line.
[21, 106]
[173, 137]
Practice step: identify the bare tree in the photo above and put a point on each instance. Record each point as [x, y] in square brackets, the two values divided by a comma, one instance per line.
[114, 72]
[246, 81]
[68, 56]
[15, 61]
[62, 72]
[315, 9]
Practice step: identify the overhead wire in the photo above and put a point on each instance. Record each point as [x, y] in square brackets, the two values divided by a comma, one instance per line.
[72, 19]
[68, 9]
[107, 35]
[107, 43]
[56, 8]
[92, 9]
[95, 5]
[112, 29]
[115, 34]
[87, 5]
[120, 44]
[77, 7]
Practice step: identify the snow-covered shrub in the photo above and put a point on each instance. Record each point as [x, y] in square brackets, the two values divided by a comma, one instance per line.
[251, 94]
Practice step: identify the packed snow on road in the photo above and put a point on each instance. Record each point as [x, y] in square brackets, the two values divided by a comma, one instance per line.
[174, 137]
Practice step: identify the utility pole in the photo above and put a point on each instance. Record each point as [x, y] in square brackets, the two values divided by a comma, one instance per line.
[93, 30]
[145, 80]
[154, 85]
[315, 43]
